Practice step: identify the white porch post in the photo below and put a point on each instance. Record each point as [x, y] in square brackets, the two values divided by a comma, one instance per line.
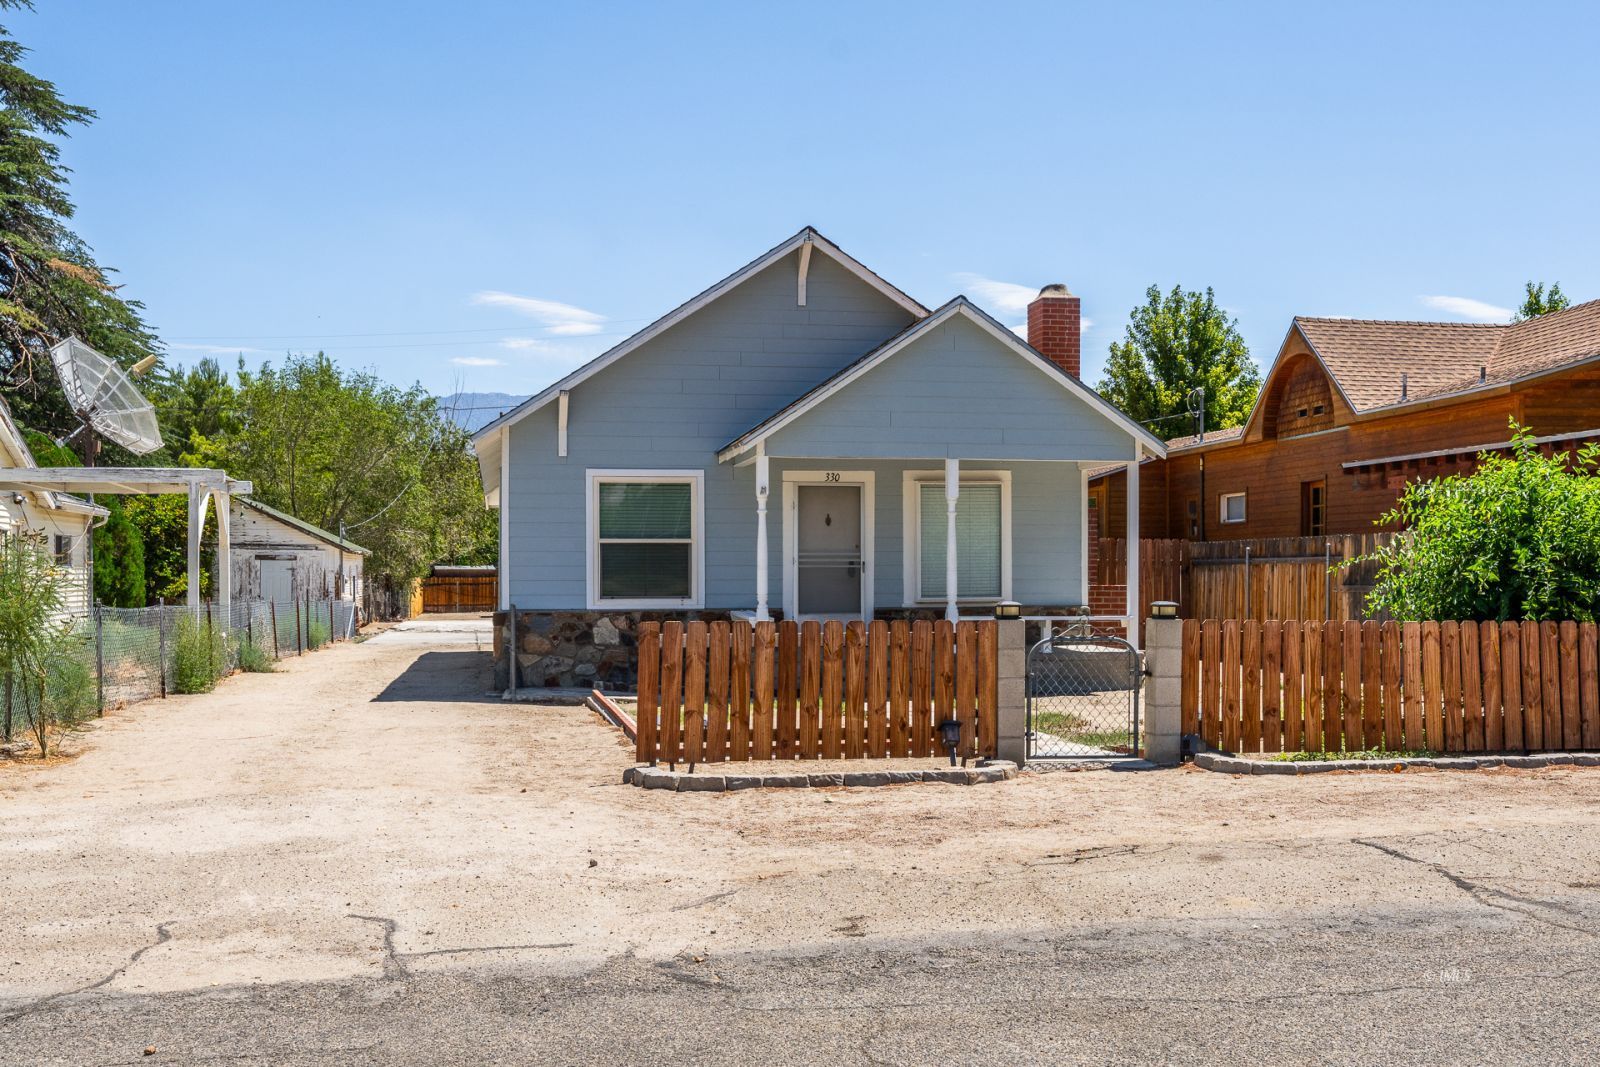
[1133, 553]
[952, 493]
[224, 561]
[505, 520]
[198, 499]
[763, 486]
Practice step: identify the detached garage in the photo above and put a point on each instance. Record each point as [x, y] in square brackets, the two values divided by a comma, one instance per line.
[281, 558]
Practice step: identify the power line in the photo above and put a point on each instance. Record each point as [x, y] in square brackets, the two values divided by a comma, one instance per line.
[398, 333]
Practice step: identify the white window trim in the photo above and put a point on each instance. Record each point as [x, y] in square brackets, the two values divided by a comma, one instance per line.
[911, 533]
[867, 480]
[1222, 508]
[697, 554]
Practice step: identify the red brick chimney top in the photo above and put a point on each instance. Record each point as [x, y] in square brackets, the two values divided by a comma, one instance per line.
[1055, 327]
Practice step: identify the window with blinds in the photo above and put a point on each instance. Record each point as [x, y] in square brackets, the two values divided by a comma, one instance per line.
[646, 535]
[978, 542]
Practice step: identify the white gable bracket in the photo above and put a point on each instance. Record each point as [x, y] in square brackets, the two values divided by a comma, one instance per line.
[805, 267]
[561, 423]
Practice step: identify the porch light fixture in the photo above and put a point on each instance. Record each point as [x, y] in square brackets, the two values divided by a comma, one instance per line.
[950, 734]
[1164, 609]
[1008, 609]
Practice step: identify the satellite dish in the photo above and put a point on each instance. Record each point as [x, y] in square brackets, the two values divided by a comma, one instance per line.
[104, 397]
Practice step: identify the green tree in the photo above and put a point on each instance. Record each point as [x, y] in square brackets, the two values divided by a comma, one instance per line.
[1539, 301]
[1176, 343]
[1519, 538]
[50, 284]
[341, 448]
[119, 578]
[163, 525]
[196, 407]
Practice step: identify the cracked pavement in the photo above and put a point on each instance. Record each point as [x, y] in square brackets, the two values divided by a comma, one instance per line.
[362, 859]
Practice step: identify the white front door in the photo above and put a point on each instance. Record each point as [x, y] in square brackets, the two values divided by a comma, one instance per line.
[829, 566]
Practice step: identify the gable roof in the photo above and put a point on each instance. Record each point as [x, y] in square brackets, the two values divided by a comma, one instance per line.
[807, 236]
[1365, 357]
[960, 305]
[300, 524]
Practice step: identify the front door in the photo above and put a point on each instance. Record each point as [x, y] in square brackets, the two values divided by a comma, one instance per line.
[829, 567]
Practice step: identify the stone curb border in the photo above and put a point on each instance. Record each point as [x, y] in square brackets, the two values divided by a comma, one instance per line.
[1225, 764]
[676, 781]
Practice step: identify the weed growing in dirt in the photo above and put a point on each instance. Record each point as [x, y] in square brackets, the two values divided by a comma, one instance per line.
[253, 659]
[199, 656]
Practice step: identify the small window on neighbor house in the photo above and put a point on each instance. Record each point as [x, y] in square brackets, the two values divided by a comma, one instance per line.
[1317, 410]
[63, 549]
[1313, 508]
[1232, 509]
[1302, 413]
[645, 540]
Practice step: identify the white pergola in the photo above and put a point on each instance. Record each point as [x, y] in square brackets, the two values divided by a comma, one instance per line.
[201, 484]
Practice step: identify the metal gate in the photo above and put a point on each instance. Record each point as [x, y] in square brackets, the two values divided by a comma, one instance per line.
[1083, 696]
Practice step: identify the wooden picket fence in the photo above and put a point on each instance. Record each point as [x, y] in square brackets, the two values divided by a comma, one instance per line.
[1441, 686]
[460, 593]
[710, 692]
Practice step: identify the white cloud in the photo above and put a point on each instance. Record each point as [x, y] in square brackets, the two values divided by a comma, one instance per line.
[519, 343]
[474, 361]
[1464, 307]
[998, 296]
[213, 350]
[563, 320]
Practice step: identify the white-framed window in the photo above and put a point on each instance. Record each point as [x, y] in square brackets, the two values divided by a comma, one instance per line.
[646, 532]
[983, 537]
[1231, 508]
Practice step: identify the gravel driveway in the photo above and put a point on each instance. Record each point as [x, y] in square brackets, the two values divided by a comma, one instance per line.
[364, 858]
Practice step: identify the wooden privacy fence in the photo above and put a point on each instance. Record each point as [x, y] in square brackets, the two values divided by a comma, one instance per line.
[718, 691]
[458, 593]
[1440, 686]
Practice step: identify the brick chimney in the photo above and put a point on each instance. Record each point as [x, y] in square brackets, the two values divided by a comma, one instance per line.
[1054, 328]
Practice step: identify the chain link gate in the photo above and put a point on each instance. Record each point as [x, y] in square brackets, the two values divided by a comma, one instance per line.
[1083, 696]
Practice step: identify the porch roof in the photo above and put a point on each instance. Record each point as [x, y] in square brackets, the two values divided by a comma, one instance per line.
[1143, 441]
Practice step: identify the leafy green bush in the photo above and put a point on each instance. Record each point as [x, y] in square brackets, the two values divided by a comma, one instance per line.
[70, 693]
[317, 634]
[253, 659]
[199, 656]
[1519, 538]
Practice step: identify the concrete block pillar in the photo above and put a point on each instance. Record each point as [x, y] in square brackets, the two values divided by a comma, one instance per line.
[1162, 714]
[1013, 679]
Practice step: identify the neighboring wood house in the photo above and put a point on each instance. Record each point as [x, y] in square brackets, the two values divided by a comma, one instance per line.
[63, 519]
[281, 558]
[1352, 410]
[802, 439]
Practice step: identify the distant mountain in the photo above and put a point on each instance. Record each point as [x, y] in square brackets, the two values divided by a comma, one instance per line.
[472, 411]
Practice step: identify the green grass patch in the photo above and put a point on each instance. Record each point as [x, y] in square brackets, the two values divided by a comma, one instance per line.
[1376, 754]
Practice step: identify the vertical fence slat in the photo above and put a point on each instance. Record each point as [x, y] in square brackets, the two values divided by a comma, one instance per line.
[739, 690]
[832, 689]
[1294, 707]
[649, 706]
[1272, 686]
[694, 691]
[1511, 684]
[1393, 728]
[921, 688]
[988, 688]
[1550, 679]
[1494, 720]
[761, 676]
[1432, 687]
[1411, 655]
[878, 689]
[1354, 728]
[967, 685]
[1250, 687]
[944, 676]
[899, 688]
[1211, 683]
[1532, 688]
[1571, 714]
[810, 690]
[1189, 687]
[1371, 684]
[717, 693]
[855, 690]
[1589, 683]
[785, 733]
[1314, 644]
[1455, 737]
[1472, 687]
[671, 732]
[1232, 676]
[1332, 685]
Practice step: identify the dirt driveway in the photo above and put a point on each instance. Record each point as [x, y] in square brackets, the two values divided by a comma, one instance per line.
[369, 815]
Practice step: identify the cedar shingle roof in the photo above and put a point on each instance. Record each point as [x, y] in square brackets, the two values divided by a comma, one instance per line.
[1367, 356]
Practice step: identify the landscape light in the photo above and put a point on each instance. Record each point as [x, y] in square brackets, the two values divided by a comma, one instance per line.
[1008, 609]
[950, 734]
[1164, 609]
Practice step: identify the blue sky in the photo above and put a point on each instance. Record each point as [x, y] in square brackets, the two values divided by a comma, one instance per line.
[486, 194]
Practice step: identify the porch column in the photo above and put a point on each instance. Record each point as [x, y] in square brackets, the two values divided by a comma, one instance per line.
[224, 561]
[198, 499]
[763, 473]
[952, 492]
[1133, 553]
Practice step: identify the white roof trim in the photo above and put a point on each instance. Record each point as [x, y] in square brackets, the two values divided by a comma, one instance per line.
[683, 311]
[959, 306]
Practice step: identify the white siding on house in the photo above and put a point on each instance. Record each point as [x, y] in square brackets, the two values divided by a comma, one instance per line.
[262, 542]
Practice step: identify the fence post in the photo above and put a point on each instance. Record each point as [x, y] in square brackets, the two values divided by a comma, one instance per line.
[161, 643]
[211, 642]
[299, 642]
[1163, 690]
[511, 650]
[1011, 741]
[99, 660]
[272, 610]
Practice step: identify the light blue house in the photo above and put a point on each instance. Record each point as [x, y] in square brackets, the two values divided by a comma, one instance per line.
[802, 440]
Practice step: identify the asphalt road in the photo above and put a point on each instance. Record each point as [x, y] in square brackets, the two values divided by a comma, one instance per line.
[365, 860]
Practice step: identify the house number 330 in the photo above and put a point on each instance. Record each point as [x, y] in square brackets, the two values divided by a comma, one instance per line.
[831, 476]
